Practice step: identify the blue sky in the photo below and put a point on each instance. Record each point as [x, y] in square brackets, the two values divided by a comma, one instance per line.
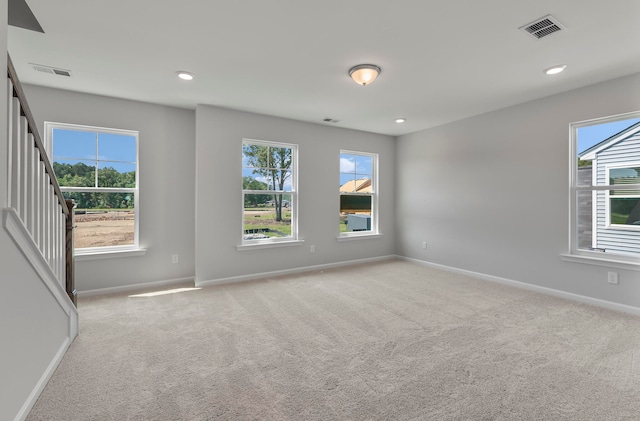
[591, 135]
[355, 167]
[111, 150]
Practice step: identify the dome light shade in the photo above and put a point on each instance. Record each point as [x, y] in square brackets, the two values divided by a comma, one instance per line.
[364, 74]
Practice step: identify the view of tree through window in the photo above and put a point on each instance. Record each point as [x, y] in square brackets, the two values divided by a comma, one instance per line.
[97, 169]
[268, 188]
[607, 187]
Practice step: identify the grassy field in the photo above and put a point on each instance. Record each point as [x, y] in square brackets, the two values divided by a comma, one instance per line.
[263, 219]
[108, 228]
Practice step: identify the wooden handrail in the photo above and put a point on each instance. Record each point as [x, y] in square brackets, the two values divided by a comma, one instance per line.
[18, 92]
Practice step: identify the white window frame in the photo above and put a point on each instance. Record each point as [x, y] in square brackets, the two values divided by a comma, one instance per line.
[575, 254]
[374, 232]
[274, 241]
[101, 252]
[608, 196]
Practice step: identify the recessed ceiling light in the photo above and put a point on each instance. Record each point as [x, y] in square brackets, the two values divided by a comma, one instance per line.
[400, 120]
[185, 75]
[554, 70]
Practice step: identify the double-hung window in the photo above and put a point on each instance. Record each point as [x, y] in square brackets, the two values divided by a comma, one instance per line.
[605, 187]
[98, 169]
[269, 192]
[358, 193]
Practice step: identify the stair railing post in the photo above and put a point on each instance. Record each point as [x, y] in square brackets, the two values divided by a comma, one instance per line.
[69, 259]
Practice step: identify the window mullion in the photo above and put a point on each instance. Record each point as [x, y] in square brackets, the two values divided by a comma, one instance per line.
[96, 174]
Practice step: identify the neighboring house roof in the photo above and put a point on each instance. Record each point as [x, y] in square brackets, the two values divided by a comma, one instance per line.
[590, 154]
[362, 185]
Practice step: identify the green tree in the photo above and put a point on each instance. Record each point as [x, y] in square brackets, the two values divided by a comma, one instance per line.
[250, 183]
[274, 165]
[82, 175]
[582, 163]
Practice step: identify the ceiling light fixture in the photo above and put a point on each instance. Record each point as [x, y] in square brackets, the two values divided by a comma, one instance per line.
[400, 120]
[185, 75]
[364, 74]
[554, 70]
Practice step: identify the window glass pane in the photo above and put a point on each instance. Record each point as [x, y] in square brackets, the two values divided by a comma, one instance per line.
[348, 183]
[268, 165]
[364, 165]
[123, 175]
[115, 147]
[250, 183]
[74, 144]
[625, 211]
[584, 219]
[75, 173]
[103, 219]
[590, 138]
[585, 173]
[280, 158]
[621, 176]
[347, 163]
[267, 216]
[355, 173]
[355, 213]
[283, 179]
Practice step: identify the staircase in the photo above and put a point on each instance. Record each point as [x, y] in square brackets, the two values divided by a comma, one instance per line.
[36, 204]
[38, 315]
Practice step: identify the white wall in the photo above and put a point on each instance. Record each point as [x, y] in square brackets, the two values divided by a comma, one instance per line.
[4, 16]
[166, 165]
[219, 137]
[489, 194]
[34, 331]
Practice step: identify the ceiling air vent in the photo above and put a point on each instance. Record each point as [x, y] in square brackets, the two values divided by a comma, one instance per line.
[330, 120]
[542, 27]
[51, 70]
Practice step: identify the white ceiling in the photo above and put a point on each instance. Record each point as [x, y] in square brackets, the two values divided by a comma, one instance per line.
[441, 60]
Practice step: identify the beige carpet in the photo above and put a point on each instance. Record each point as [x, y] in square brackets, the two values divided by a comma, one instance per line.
[386, 341]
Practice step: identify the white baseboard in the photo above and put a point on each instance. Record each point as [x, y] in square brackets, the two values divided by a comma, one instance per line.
[133, 287]
[44, 379]
[303, 269]
[543, 290]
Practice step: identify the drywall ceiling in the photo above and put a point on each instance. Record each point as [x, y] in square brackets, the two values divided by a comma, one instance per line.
[441, 60]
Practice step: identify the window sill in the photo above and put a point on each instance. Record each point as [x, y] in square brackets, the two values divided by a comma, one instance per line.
[275, 244]
[358, 237]
[107, 254]
[598, 261]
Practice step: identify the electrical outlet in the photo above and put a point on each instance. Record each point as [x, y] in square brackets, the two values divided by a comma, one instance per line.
[312, 249]
[424, 245]
[612, 278]
[174, 258]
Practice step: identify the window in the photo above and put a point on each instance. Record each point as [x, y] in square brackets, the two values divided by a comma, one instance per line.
[269, 192]
[358, 193]
[606, 188]
[98, 168]
[623, 206]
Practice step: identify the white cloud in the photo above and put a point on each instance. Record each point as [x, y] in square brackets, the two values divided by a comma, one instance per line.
[347, 165]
